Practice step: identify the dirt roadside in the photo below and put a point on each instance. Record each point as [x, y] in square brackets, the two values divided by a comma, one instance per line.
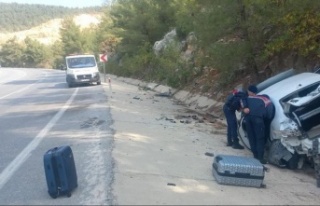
[160, 156]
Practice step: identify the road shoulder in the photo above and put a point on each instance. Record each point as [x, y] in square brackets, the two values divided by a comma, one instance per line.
[160, 156]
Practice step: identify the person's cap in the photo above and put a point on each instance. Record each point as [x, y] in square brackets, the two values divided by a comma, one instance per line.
[253, 89]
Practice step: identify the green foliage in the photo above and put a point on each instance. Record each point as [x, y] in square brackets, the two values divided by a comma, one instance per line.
[57, 55]
[16, 17]
[135, 65]
[169, 68]
[106, 40]
[89, 39]
[71, 37]
[291, 27]
[139, 22]
[229, 35]
[35, 54]
[215, 20]
[11, 54]
[136, 26]
[218, 28]
[228, 57]
[74, 40]
[185, 17]
[30, 54]
[300, 34]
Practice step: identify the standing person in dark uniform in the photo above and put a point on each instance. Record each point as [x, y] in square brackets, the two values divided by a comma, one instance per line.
[232, 104]
[255, 110]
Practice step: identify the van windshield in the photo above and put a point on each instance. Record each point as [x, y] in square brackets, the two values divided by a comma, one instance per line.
[81, 62]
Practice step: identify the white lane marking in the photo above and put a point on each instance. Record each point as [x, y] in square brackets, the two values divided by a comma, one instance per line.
[26, 152]
[25, 88]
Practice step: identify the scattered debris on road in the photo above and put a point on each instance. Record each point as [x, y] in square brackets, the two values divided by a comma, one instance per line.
[171, 184]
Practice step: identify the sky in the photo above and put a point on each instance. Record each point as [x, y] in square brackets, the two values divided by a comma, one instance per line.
[65, 3]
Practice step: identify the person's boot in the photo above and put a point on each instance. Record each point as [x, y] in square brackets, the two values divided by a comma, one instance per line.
[236, 145]
[263, 161]
[229, 143]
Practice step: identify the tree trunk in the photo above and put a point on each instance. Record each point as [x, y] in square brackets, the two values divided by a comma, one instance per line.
[250, 61]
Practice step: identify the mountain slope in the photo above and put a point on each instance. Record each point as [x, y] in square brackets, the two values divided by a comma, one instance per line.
[17, 17]
[48, 33]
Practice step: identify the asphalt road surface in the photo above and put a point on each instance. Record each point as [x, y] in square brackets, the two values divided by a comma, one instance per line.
[39, 112]
[131, 147]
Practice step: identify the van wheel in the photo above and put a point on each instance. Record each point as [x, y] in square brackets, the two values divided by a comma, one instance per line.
[70, 85]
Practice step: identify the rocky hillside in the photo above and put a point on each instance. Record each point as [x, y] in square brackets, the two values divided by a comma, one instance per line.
[48, 32]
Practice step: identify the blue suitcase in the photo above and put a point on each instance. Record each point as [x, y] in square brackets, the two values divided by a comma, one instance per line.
[60, 171]
[238, 170]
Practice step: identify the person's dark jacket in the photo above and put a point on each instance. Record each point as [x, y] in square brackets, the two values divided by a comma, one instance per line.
[260, 106]
[233, 101]
[270, 108]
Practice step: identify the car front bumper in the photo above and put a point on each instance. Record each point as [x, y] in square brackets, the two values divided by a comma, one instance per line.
[83, 78]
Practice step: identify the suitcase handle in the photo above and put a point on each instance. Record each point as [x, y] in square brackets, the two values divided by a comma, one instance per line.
[242, 175]
[52, 149]
[218, 158]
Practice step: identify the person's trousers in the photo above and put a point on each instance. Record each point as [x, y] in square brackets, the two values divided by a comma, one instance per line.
[267, 123]
[256, 135]
[232, 125]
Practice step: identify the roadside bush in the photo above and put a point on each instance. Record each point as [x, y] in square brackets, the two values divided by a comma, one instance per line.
[170, 68]
[228, 57]
[130, 65]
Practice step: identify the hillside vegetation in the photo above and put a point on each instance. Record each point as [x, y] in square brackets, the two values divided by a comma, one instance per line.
[16, 17]
[218, 43]
[49, 32]
[234, 42]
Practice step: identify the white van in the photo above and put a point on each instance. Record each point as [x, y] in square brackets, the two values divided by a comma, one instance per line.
[81, 69]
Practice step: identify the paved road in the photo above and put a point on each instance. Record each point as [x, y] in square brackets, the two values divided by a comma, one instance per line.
[39, 112]
[131, 147]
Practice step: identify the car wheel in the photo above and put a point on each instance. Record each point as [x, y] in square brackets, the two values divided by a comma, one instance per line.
[70, 85]
[242, 133]
[293, 162]
[68, 82]
[98, 83]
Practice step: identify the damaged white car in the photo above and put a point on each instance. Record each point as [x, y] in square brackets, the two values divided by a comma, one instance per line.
[295, 129]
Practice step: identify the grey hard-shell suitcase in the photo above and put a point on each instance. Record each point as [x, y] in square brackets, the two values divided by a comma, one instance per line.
[238, 170]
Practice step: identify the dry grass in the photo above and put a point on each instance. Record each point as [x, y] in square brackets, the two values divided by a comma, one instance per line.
[47, 33]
